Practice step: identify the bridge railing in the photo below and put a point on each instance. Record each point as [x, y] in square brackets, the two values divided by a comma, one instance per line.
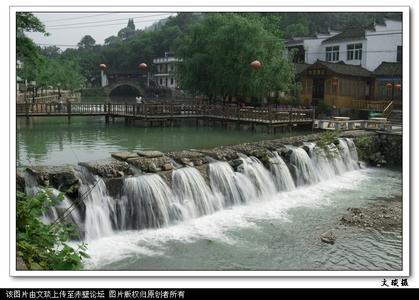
[168, 110]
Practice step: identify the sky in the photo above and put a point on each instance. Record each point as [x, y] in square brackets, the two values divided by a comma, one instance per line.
[67, 29]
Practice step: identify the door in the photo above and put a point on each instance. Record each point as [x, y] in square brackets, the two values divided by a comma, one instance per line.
[318, 89]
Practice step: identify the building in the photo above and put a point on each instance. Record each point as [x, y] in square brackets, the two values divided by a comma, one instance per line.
[165, 71]
[355, 46]
[338, 84]
[388, 83]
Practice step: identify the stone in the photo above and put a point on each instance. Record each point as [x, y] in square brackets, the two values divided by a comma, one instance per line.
[152, 165]
[20, 264]
[20, 182]
[124, 155]
[328, 237]
[150, 154]
[62, 178]
[108, 168]
[167, 167]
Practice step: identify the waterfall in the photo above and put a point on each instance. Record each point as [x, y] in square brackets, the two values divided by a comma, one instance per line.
[258, 174]
[352, 149]
[100, 207]
[347, 156]
[147, 202]
[190, 187]
[235, 187]
[281, 173]
[305, 170]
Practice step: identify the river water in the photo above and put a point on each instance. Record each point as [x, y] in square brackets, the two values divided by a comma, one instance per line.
[254, 218]
[55, 141]
[280, 233]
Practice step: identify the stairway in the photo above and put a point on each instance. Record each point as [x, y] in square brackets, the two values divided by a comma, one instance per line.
[396, 117]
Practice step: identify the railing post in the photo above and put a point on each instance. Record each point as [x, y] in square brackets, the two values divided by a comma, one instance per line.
[68, 109]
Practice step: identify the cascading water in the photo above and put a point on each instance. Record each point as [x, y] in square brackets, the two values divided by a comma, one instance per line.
[281, 173]
[193, 192]
[305, 171]
[100, 207]
[235, 187]
[259, 175]
[347, 156]
[147, 201]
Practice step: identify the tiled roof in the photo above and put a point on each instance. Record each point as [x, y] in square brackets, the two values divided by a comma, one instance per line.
[300, 68]
[345, 69]
[348, 34]
[389, 68]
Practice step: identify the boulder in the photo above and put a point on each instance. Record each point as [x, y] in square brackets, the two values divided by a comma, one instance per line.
[150, 154]
[108, 168]
[124, 155]
[221, 153]
[328, 237]
[62, 178]
[20, 182]
[150, 165]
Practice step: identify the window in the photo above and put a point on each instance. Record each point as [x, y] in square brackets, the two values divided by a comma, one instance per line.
[171, 80]
[399, 53]
[354, 51]
[332, 53]
[161, 81]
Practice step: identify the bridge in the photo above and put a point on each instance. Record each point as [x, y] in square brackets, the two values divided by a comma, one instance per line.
[135, 81]
[270, 117]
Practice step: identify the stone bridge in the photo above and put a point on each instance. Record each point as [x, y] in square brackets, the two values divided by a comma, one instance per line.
[136, 81]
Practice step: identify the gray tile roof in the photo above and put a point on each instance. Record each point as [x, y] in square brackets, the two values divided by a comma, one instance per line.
[348, 34]
[389, 68]
[345, 69]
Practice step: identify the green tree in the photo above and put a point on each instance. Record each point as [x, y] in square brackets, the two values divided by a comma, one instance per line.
[87, 42]
[216, 54]
[26, 50]
[42, 246]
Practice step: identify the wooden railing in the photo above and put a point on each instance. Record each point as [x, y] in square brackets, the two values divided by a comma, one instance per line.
[169, 110]
[388, 109]
[369, 105]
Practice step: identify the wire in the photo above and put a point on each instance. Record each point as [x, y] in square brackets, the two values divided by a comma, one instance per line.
[75, 18]
[106, 21]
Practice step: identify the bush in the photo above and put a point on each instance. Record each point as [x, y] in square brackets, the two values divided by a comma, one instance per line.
[42, 246]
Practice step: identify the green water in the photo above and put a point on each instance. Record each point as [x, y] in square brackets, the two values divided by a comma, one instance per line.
[57, 141]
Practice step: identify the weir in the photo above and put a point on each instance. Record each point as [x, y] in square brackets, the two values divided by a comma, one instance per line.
[148, 201]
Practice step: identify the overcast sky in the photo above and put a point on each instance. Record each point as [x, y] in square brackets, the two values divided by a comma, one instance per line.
[67, 29]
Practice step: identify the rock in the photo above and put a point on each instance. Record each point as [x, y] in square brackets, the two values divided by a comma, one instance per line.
[328, 237]
[235, 163]
[186, 162]
[167, 167]
[20, 264]
[20, 182]
[108, 168]
[188, 157]
[221, 153]
[62, 178]
[114, 186]
[150, 154]
[124, 155]
[146, 164]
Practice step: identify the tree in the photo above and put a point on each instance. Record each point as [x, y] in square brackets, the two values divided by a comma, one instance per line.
[51, 51]
[216, 54]
[26, 51]
[87, 42]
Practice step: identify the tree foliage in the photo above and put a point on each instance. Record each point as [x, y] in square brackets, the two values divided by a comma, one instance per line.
[217, 51]
[44, 246]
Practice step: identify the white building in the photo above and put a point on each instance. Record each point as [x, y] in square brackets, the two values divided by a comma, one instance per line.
[166, 68]
[367, 48]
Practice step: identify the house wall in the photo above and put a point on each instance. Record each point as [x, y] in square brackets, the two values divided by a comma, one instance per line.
[382, 44]
[343, 52]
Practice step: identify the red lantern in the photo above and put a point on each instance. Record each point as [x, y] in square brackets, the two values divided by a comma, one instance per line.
[102, 66]
[389, 84]
[334, 81]
[398, 85]
[255, 65]
[143, 66]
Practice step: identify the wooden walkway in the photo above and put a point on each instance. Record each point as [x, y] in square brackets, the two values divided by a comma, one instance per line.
[162, 112]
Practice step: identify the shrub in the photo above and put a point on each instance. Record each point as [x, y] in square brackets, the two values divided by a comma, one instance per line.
[42, 246]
